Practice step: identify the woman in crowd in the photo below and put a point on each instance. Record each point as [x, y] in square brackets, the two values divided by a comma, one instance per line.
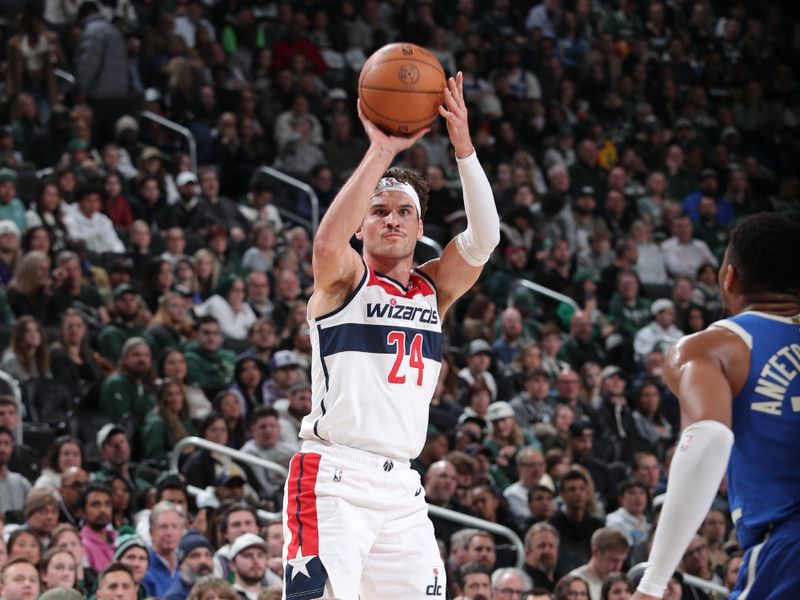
[23, 542]
[616, 587]
[219, 245]
[572, 587]
[171, 326]
[65, 452]
[168, 423]
[173, 367]
[228, 306]
[476, 400]
[120, 502]
[260, 256]
[67, 536]
[206, 273]
[47, 213]
[157, 281]
[30, 291]
[28, 356]
[73, 362]
[228, 404]
[202, 467]
[58, 569]
[248, 378]
[210, 588]
[37, 238]
[589, 376]
[651, 424]
[115, 204]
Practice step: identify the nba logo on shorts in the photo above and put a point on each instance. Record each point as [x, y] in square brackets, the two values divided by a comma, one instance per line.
[337, 475]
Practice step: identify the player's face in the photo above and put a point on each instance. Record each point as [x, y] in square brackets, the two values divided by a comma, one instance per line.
[391, 228]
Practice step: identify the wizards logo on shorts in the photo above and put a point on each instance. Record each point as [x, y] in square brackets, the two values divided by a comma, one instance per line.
[434, 589]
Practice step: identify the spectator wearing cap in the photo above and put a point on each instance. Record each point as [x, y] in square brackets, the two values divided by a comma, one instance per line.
[479, 358]
[533, 404]
[41, 513]
[102, 73]
[14, 487]
[132, 551]
[85, 222]
[127, 392]
[209, 364]
[230, 486]
[167, 526]
[115, 452]
[619, 438]
[506, 436]
[661, 333]
[186, 209]
[9, 254]
[588, 223]
[266, 443]
[11, 207]
[96, 536]
[630, 518]
[284, 370]
[708, 186]
[24, 459]
[195, 556]
[291, 412]
[248, 556]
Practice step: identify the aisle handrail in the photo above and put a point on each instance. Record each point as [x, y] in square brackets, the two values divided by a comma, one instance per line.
[300, 185]
[232, 452]
[179, 129]
[539, 289]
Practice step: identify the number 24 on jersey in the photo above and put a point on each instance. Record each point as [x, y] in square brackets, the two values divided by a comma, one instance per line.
[398, 340]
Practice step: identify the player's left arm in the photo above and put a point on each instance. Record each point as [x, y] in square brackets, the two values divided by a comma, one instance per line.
[699, 371]
[463, 258]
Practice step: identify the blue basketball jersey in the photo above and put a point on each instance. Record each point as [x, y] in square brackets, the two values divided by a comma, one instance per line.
[764, 469]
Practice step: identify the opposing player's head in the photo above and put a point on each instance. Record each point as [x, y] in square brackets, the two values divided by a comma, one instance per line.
[393, 222]
[761, 262]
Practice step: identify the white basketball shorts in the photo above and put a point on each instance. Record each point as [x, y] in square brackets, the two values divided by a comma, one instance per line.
[356, 527]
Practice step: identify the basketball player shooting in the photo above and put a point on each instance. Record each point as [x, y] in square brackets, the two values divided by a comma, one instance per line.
[355, 517]
[737, 380]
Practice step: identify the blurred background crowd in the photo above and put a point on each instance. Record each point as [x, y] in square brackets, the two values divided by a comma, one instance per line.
[152, 290]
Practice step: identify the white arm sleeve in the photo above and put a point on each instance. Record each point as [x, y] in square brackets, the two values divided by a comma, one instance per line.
[694, 478]
[478, 241]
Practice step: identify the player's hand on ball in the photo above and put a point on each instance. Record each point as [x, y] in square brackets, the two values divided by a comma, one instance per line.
[393, 143]
[454, 112]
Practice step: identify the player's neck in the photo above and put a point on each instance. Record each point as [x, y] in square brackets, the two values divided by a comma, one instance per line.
[782, 305]
[398, 269]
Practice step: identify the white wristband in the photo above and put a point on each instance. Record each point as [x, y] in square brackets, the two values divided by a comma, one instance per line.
[694, 477]
[478, 241]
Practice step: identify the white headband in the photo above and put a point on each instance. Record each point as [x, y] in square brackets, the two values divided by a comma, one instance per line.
[390, 184]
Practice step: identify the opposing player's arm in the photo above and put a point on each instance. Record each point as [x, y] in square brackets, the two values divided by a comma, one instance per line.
[463, 258]
[337, 267]
[705, 372]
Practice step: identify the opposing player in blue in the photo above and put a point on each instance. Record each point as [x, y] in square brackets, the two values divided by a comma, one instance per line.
[355, 518]
[739, 391]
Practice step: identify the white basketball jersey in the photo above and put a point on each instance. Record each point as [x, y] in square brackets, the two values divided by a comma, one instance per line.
[374, 367]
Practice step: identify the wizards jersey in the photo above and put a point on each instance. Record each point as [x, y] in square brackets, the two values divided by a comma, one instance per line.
[764, 468]
[375, 364]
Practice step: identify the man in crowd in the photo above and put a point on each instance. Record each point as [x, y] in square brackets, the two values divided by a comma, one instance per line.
[630, 519]
[475, 581]
[24, 459]
[284, 375]
[115, 450]
[530, 468]
[237, 519]
[73, 481]
[194, 561]
[167, 524]
[209, 364]
[116, 582]
[98, 540]
[481, 549]
[127, 392]
[249, 564]
[609, 551]
[41, 513]
[127, 323]
[14, 487]
[19, 580]
[534, 404]
[291, 412]
[541, 555]
[574, 523]
[266, 443]
[508, 582]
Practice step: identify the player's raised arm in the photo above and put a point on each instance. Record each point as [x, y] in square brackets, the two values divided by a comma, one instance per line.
[336, 264]
[696, 371]
[463, 258]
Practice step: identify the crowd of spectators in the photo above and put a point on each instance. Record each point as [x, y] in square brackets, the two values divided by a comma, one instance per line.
[149, 293]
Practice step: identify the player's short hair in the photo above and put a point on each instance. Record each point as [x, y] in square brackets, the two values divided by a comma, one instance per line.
[763, 248]
[607, 539]
[414, 180]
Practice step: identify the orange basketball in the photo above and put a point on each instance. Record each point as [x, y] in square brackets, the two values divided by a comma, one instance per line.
[401, 88]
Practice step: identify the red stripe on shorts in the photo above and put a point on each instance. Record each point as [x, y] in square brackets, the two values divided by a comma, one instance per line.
[302, 507]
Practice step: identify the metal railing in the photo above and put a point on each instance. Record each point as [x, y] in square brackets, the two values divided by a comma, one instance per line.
[179, 129]
[718, 592]
[300, 185]
[539, 289]
[438, 511]
[476, 523]
[65, 76]
[432, 244]
[214, 447]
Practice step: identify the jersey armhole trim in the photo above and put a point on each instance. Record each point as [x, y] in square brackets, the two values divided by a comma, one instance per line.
[349, 297]
[737, 329]
[425, 276]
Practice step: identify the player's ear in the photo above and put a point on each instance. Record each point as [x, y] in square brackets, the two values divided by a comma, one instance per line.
[359, 233]
[419, 229]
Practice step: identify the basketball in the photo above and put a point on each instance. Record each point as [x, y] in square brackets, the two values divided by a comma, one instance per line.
[401, 88]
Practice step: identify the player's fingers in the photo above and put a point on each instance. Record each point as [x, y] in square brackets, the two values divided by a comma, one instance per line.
[419, 135]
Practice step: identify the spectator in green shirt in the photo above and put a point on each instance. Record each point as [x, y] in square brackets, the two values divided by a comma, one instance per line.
[127, 391]
[628, 311]
[167, 423]
[210, 365]
[127, 310]
[11, 207]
